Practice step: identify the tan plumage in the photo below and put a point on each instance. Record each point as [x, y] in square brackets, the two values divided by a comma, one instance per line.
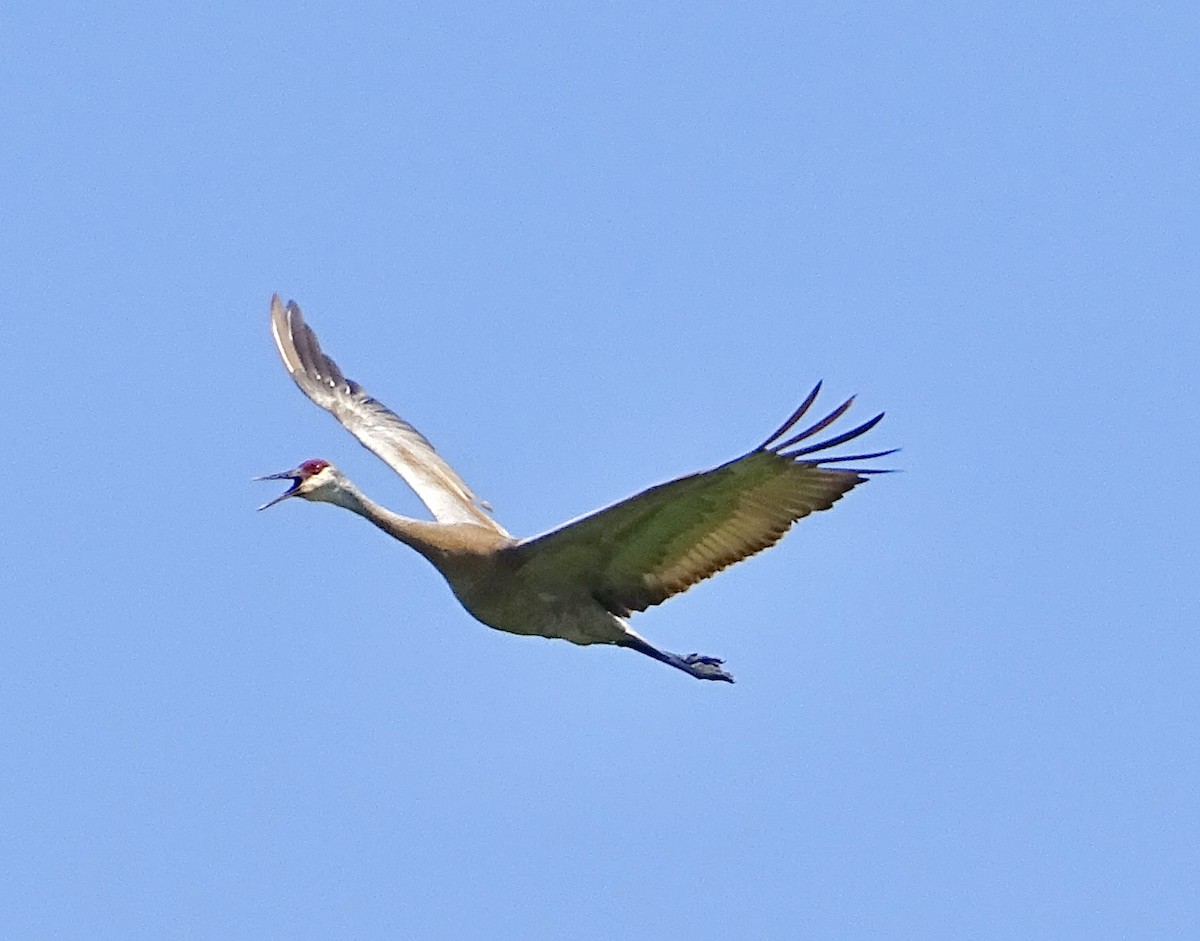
[643, 550]
[580, 581]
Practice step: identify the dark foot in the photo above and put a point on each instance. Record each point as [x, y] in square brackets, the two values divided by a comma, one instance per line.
[705, 668]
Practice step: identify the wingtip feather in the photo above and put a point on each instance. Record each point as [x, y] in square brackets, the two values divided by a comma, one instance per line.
[795, 416]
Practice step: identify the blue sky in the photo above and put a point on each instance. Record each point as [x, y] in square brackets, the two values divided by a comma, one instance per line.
[586, 248]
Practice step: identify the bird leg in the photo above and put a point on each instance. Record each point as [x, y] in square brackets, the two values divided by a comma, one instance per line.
[703, 668]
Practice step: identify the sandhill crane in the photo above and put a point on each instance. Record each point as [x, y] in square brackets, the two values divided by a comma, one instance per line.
[581, 581]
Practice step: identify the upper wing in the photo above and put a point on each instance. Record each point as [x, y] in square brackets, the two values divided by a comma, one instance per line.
[398, 443]
[643, 550]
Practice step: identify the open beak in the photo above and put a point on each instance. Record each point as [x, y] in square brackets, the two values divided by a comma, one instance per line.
[291, 475]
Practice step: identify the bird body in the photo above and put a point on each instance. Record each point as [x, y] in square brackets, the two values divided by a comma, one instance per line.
[581, 581]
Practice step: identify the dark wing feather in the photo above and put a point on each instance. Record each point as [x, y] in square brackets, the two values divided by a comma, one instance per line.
[662, 541]
[381, 430]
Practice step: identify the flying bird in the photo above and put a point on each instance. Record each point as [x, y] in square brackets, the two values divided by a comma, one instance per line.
[581, 581]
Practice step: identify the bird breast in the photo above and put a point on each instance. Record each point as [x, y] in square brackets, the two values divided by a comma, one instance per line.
[508, 603]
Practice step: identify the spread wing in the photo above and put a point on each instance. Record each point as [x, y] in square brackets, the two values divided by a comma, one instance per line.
[399, 444]
[643, 550]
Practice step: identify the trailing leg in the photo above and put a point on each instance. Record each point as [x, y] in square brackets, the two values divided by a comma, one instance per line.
[703, 668]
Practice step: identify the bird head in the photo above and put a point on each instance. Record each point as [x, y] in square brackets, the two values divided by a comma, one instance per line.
[313, 480]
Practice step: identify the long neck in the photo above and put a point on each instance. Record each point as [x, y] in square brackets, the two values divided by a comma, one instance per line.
[435, 541]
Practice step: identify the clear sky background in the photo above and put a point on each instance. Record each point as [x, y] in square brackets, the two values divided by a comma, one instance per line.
[586, 248]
